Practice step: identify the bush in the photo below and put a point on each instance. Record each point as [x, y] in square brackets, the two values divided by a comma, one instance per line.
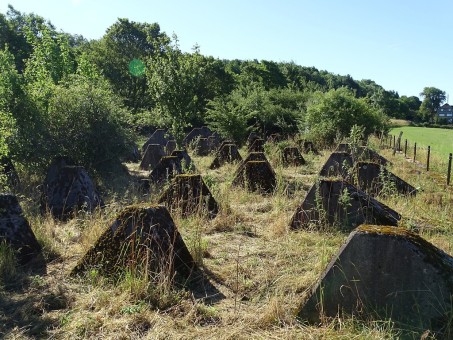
[331, 115]
[87, 123]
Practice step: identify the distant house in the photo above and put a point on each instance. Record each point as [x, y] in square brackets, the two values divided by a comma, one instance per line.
[445, 112]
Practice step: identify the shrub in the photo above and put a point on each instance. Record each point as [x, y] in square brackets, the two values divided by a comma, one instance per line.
[87, 122]
[330, 115]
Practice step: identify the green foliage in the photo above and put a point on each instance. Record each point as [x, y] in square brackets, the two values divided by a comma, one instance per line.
[9, 79]
[330, 116]
[432, 100]
[255, 108]
[177, 83]
[126, 46]
[87, 122]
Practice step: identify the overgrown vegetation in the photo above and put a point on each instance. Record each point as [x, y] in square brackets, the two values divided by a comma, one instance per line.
[61, 95]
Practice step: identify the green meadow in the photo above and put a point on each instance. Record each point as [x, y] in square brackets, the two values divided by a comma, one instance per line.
[440, 140]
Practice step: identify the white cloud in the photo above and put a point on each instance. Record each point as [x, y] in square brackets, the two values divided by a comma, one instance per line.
[76, 2]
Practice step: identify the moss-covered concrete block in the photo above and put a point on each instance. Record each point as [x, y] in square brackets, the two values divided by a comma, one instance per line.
[188, 194]
[152, 156]
[228, 153]
[68, 189]
[386, 273]
[141, 238]
[333, 203]
[15, 229]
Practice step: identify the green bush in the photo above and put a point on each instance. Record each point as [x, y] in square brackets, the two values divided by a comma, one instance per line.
[87, 122]
[331, 115]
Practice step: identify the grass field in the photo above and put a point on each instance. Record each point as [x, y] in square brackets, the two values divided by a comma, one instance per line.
[440, 140]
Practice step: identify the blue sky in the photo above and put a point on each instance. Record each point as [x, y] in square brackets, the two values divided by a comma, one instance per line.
[402, 45]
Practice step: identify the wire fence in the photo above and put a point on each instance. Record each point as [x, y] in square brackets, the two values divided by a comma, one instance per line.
[421, 155]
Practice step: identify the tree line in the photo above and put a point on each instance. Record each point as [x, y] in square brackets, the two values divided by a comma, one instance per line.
[62, 94]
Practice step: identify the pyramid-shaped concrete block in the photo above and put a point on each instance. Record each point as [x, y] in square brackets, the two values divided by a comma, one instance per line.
[166, 169]
[291, 156]
[227, 154]
[152, 156]
[308, 146]
[186, 162]
[68, 189]
[362, 153]
[251, 138]
[170, 147]
[251, 157]
[160, 136]
[256, 176]
[141, 238]
[214, 141]
[203, 132]
[257, 145]
[385, 273]
[15, 229]
[188, 195]
[226, 141]
[201, 146]
[375, 179]
[338, 204]
[339, 164]
[275, 138]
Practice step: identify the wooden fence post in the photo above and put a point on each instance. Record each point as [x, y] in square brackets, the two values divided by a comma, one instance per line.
[427, 161]
[415, 151]
[449, 169]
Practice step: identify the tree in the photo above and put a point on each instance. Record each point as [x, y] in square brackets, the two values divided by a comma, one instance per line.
[410, 106]
[181, 84]
[9, 83]
[87, 122]
[433, 98]
[330, 116]
[122, 55]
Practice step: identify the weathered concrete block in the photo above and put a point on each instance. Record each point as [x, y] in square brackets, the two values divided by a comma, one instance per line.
[203, 132]
[386, 273]
[257, 145]
[166, 169]
[256, 176]
[362, 153]
[15, 229]
[186, 162]
[339, 164]
[251, 138]
[188, 194]
[252, 156]
[68, 189]
[226, 141]
[170, 147]
[152, 156]
[292, 157]
[142, 238]
[275, 138]
[227, 154]
[201, 146]
[308, 146]
[373, 178]
[160, 136]
[214, 142]
[338, 204]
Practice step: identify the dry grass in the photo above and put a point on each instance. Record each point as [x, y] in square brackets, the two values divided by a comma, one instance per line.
[257, 269]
